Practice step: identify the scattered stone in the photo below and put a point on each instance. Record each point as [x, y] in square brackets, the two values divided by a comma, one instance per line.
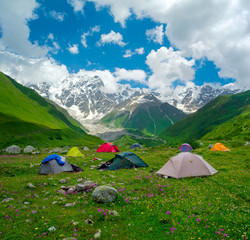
[85, 186]
[67, 178]
[104, 194]
[74, 223]
[80, 180]
[56, 150]
[29, 149]
[30, 185]
[98, 234]
[114, 213]
[26, 203]
[45, 184]
[72, 189]
[70, 238]
[65, 151]
[62, 181]
[112, 176]
[69, 204]
[52, 229]
[13, 149]
[36, 152]
[61, 191]
[54, 202]
[247, 143]
[86, 149]
[89, 222]
[7, 200]
[64, 188]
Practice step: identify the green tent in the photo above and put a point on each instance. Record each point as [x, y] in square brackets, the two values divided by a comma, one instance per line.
[123, 160]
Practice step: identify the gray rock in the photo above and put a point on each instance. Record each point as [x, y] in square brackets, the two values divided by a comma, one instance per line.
[97, 234]
[70, 238]
[85, 186]
[104, 194]
[13, 149]
[62, 181]
[61, 191]
[30, 185]
[69, 204]
[52, 229]
[86, 149]
[89, 222]
[114, 213]
[37, 152]
[7, 200]
[80, 180]
[72, 189]
[29, 149]
[56, 150]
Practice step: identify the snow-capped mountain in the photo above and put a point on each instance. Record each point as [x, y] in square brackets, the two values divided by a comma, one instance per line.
[191, 99]
[84, 97]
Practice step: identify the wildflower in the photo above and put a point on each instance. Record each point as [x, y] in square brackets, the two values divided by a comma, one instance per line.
[168, 212]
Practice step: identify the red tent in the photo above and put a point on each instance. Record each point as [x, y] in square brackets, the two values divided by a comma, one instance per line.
[108, 147]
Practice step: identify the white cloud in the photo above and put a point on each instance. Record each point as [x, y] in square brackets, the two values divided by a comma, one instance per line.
[57, 15]
[89, 33]
[139, 51]
[14, 17]
[110, 82]
[77, 5]
[168, 66]
[155, 34]
[129, 53]
[55, 45]
[32, 70]
[73, 49]
[134, 75]
[112, 37]
[218, 30]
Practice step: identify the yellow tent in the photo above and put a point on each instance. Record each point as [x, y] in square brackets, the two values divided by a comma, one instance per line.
[74, 152]
[219, 147]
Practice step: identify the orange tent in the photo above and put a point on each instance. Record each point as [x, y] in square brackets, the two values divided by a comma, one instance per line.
[219, 147]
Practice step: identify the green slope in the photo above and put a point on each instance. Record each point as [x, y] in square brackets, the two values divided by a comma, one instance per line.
[238, 127]
[27, 118]
[216, 112]
[151, 117]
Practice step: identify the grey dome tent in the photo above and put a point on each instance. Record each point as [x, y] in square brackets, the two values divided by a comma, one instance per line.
[123, 160]
[54, 164]
[135, 145]
[186, 164]
[52, 167]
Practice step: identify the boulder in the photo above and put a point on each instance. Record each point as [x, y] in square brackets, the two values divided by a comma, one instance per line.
[56, 150]
[85, 186]
[13, 149]
[29, 149]
[104, 194]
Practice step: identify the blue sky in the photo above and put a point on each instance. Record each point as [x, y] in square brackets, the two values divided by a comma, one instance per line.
[157, 44]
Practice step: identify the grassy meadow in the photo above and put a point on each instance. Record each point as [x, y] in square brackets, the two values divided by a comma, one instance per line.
[149, 207]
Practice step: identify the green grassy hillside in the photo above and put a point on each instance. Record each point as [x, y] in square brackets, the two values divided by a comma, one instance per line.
[238, 127]
[27, 118]
[151, 117]
[219, 111]
[149, 207]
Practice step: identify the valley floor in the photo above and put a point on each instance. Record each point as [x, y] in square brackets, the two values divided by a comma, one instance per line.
[149, 207]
